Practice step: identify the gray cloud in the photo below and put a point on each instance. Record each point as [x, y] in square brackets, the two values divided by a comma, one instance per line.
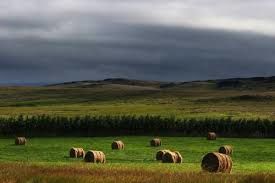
[160, 40]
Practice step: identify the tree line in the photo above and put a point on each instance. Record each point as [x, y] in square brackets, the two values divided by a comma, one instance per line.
[46, 125]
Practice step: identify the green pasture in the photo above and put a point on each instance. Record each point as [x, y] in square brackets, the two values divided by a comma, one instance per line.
[250, 155]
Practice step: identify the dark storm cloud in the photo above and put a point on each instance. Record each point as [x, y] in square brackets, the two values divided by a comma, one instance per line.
[69, 40]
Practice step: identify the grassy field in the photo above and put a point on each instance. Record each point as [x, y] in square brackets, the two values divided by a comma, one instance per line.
[250, 155]
[195, 102]
[22, 173]
[46, 159]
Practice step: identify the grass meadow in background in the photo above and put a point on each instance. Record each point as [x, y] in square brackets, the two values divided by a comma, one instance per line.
[194, 102]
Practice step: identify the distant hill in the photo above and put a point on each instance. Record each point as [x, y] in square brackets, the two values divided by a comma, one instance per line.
[247, 83]
[237, 97]
[232, 83]
[24, 84]
[113, 82]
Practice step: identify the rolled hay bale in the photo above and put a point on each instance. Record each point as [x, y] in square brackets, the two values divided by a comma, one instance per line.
[216, 162]
[172, 157]
[119, 145]
[211, 136]
[160, 154]
[95, 157]
[228, 150]
[77, 153]
[179, 157]
[20, 141]
[155, 142]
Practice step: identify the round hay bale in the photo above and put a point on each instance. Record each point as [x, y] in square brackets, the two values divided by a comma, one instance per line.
[228, 150]
[216, 162]
[95, 157]
[160, 154]
[119, 145]
[77, 153]
[172, 157]
[211, 136]
[179, 157]
[155, 142]
[20, 141]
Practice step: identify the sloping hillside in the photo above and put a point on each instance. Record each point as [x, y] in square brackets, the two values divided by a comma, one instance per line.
[113, 82]
[266, 83]
[245, 98]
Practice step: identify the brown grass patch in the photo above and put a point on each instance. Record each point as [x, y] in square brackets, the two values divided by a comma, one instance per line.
[22, 173]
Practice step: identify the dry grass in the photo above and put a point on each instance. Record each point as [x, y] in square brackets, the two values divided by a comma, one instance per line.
[22, 173]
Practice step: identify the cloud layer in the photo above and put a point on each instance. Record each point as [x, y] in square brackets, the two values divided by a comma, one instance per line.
[62, 40]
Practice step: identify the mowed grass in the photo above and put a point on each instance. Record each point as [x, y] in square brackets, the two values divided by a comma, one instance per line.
[250, 155]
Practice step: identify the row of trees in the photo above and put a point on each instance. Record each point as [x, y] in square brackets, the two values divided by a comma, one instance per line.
[45, 125]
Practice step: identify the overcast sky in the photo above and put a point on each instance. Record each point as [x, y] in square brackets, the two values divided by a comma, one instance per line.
[173, 40]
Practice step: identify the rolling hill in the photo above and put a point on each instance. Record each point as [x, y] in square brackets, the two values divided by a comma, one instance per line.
[232, 83]
[237, 97]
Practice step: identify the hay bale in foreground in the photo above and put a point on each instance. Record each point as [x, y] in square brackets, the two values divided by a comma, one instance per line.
[119, 145]
[20, 141]
[95, 157]
[155, 142]
[216, 162]
[77, 153]
[228, 150]
[160, 154]
[211, 136]
[172, 157]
